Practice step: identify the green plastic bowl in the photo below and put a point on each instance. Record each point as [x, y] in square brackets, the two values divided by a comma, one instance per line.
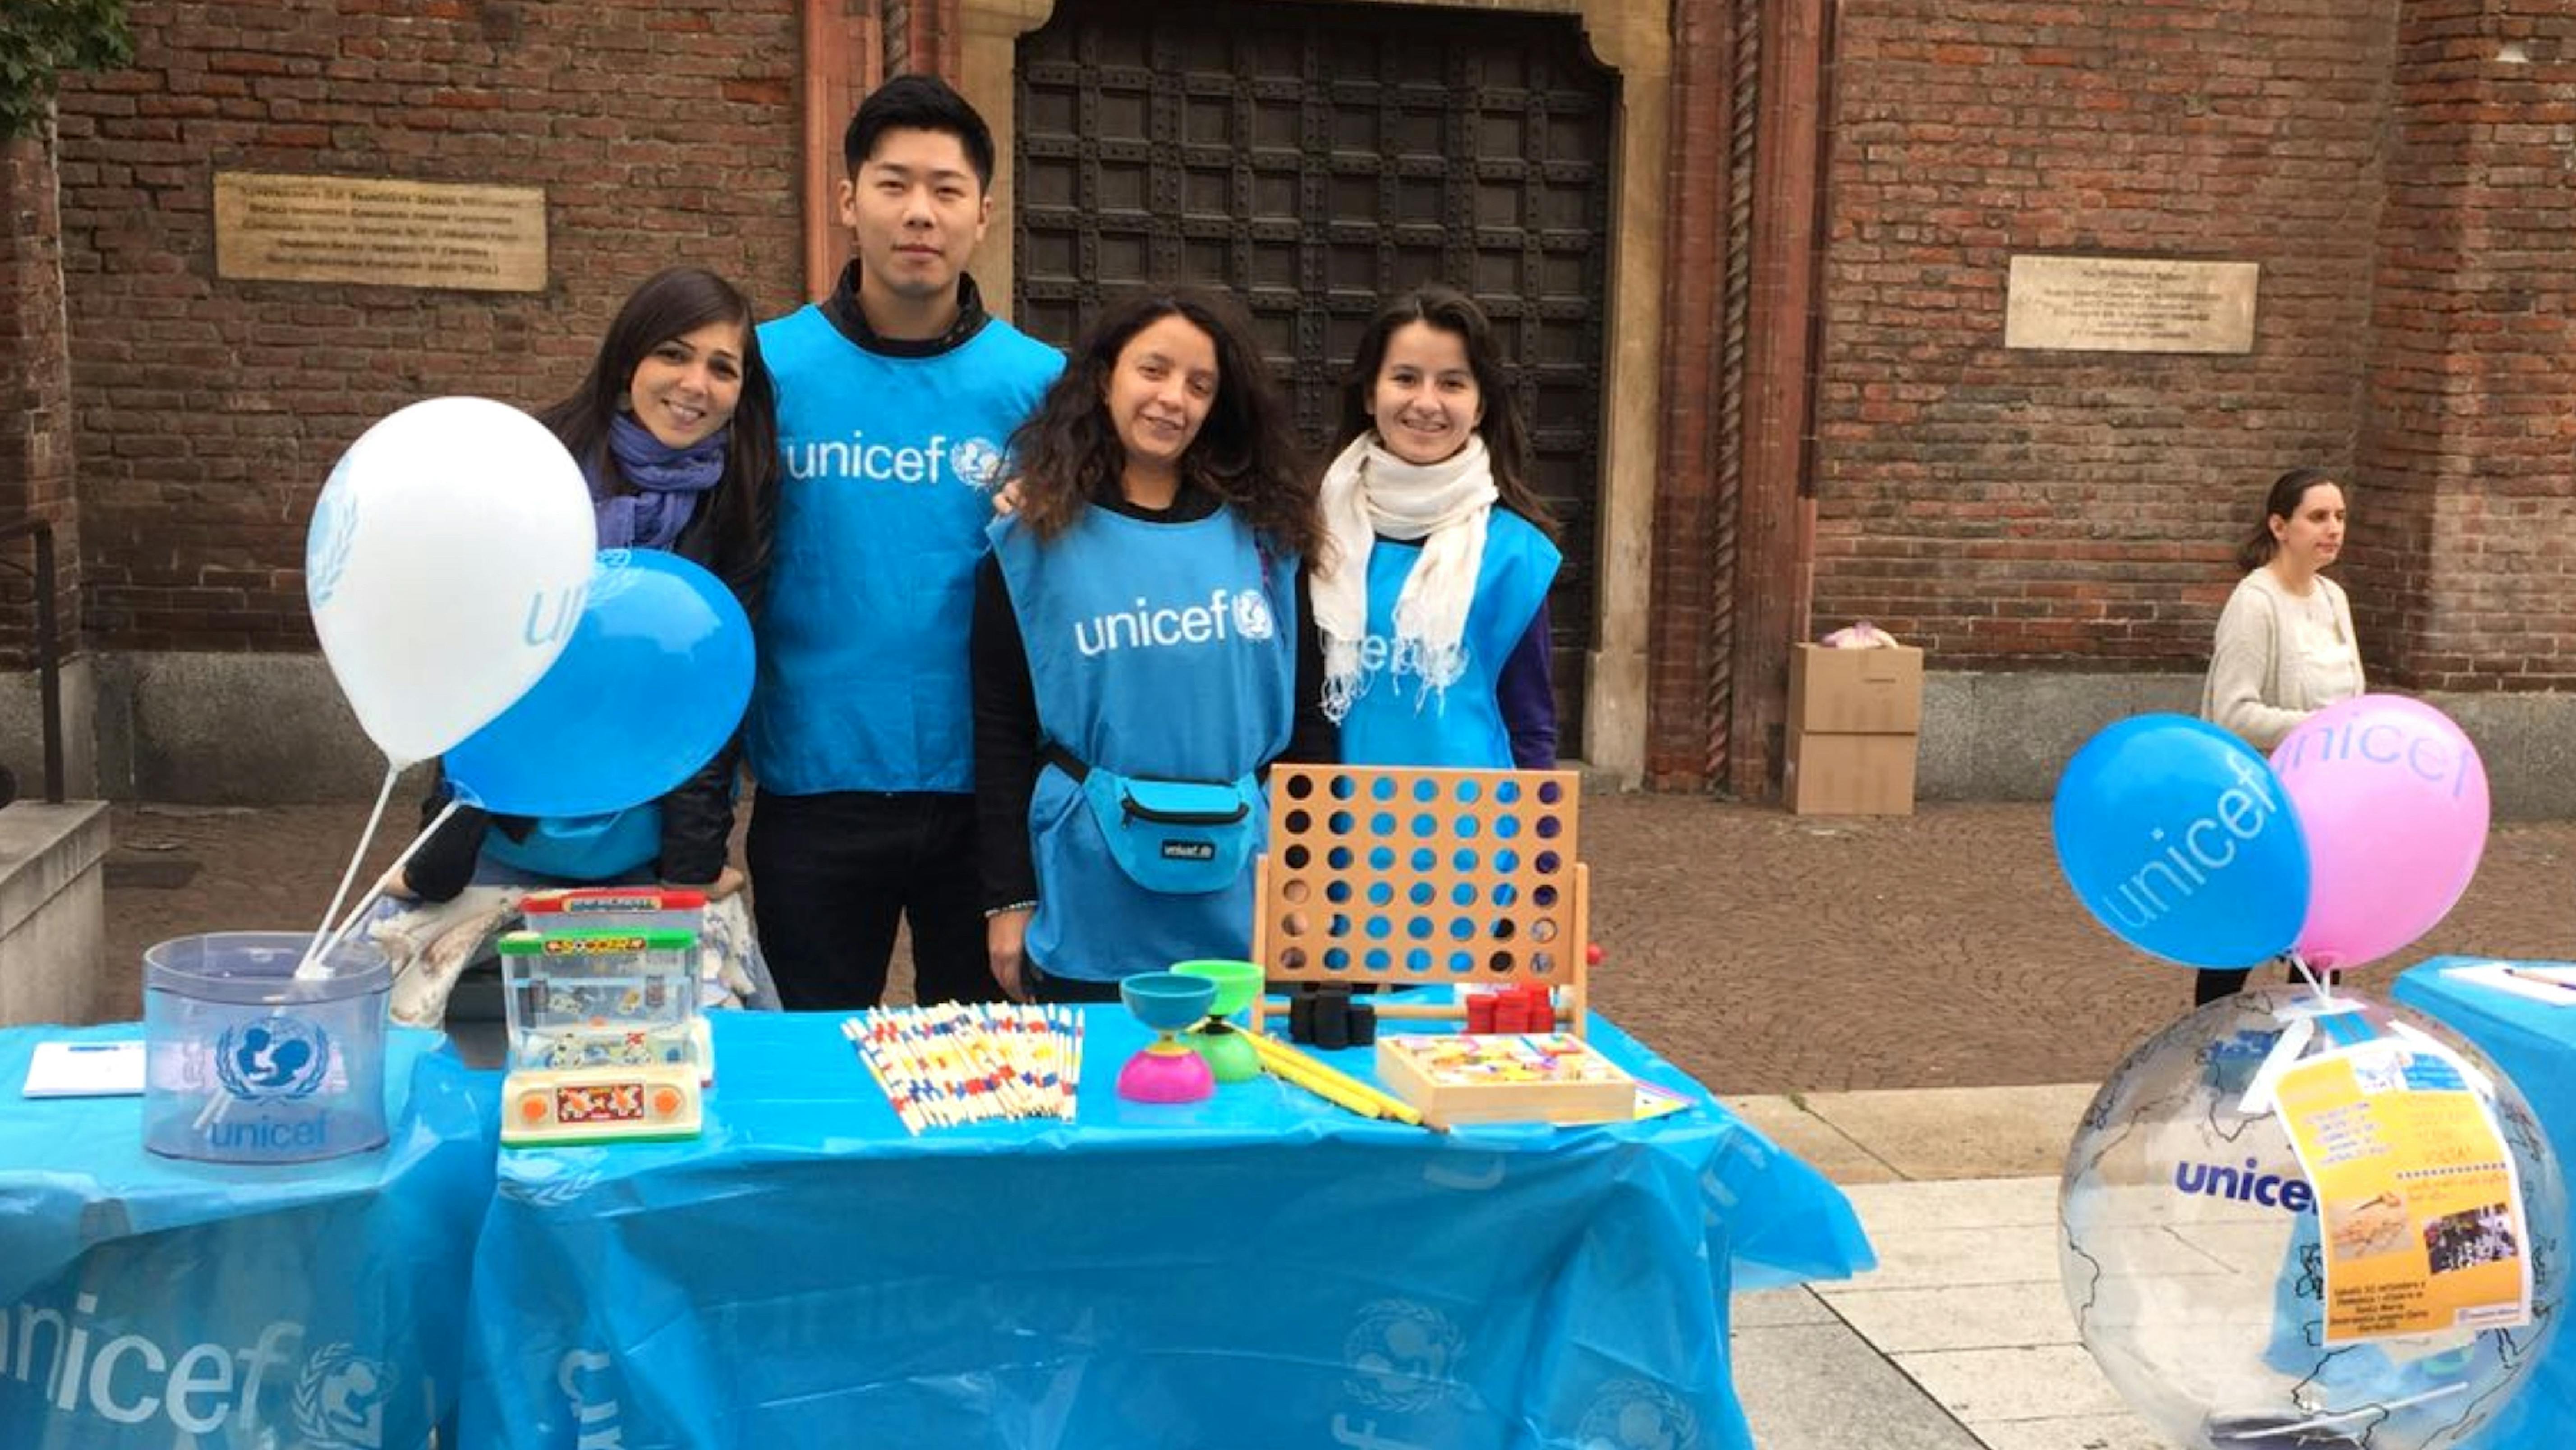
[1237, 983]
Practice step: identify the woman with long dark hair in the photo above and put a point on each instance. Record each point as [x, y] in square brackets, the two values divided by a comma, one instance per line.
[675, 427]
[1142, 651]
[1432, 602]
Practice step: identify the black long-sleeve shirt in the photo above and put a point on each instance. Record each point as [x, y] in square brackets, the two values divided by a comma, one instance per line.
[1006, 712]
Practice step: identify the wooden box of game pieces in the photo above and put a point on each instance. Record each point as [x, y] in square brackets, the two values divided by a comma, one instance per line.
[1533, 1078]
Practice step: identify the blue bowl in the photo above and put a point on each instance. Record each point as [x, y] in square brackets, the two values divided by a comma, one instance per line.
[1167, 1001]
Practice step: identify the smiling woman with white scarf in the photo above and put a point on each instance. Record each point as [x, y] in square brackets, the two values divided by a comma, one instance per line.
[1432, 602]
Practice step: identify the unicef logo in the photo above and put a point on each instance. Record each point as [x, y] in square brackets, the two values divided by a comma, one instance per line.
[340, 1400]
[1252, 616]
[612, 573]
[272, 1058]
[552, 1178]
[331, 537]
[975, 462]
[1635, 1415]
[1405, 1354]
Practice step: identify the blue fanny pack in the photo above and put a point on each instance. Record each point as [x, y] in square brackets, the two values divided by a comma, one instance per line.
[1176, 837]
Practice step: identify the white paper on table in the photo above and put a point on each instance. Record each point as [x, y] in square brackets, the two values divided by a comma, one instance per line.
[85, 1070]
[2550, 982]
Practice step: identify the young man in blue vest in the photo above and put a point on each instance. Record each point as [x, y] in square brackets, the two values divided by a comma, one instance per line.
[895, 398]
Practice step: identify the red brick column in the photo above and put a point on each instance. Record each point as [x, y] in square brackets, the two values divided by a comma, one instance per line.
[1687, 685]
[2465, 572]
[924, 36]
[36, 431]
[1774, 551]
[844, 60]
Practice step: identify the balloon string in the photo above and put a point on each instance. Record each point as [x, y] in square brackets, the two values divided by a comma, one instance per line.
[375, 893]
[311, 966]
[316, 957]
[2322, 985]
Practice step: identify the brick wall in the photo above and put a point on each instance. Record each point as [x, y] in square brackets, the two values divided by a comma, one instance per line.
[36, 450]
[2471, 433]
[2023, 508]
[211, 410]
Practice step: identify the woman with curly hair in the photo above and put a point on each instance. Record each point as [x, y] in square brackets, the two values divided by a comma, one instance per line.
[1143, 650]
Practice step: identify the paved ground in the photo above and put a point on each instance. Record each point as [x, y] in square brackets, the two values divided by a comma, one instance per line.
[1765, 953]
[1914, 1005]
[1961, 1338]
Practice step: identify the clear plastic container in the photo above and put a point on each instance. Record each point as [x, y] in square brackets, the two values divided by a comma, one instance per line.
[600, 999]
[247, 1063]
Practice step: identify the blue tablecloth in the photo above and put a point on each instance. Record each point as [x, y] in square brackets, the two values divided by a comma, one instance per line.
[2535, 1044]
[146, 1302]
[1259, 1270]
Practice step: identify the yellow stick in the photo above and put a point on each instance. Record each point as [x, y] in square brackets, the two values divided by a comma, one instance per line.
[1320, 1087]
[1387, 1104]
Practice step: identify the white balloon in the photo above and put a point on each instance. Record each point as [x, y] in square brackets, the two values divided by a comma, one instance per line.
[445, 567]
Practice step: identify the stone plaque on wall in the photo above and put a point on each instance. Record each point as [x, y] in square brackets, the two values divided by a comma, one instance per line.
[2129, 304]
[275, 228]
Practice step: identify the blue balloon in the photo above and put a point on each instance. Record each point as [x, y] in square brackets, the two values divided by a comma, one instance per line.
[649, 689]
[2177, 836]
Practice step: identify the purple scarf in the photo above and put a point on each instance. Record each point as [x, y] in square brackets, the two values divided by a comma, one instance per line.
[667, 482]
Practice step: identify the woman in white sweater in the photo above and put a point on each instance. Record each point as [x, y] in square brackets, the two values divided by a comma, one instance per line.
[2286, 647]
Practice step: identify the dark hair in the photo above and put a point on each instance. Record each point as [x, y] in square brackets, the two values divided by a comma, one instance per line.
[918, 103]
[1068, 455]
[673, 303]
[1506, 436]
[2281, 503]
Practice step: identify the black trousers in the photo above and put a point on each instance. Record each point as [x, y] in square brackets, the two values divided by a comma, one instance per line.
[832, 874]
[1067, 989]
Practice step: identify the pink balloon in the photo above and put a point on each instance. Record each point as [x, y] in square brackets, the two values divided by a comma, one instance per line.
[2393, 800]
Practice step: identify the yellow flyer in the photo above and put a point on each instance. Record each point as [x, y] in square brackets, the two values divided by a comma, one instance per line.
[2419, 1211]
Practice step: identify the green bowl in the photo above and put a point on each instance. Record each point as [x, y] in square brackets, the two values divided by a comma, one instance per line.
[1237, 983]
[1228, 1051]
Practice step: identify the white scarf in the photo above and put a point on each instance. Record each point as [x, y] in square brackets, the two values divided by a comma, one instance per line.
[1367, 492]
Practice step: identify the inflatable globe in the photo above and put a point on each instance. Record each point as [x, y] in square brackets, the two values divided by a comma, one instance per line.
[2190, 1251]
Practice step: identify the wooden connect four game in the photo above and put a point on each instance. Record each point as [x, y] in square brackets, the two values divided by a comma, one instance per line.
[1409, 878]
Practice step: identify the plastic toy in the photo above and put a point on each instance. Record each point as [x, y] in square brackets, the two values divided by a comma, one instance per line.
[1416, 878]
[632, 908]
[603, 1036]
[1545, 1078]
[1227, 1048]
[1166, 1071]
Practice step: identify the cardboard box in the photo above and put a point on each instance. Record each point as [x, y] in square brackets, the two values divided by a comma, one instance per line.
[1855, 691]
[1849, 775]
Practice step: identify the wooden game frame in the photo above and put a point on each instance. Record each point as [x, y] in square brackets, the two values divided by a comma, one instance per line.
[1392, 877]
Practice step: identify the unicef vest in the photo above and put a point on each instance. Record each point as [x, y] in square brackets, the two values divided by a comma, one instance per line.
[888, 464]
[1156, 650]
[1394, 722]
[582, 848]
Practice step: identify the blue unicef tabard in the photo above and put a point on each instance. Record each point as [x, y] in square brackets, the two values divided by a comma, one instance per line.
[1398, 719]
[1156, 650]
[888, 466]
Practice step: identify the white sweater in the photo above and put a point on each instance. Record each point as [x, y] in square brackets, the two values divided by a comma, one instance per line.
[2280, 658]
